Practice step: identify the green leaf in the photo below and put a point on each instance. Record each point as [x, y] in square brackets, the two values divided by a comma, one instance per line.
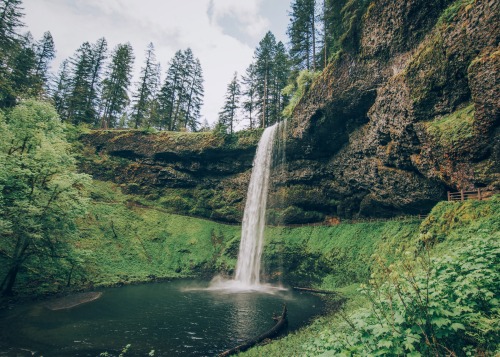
[384, 343]
[414, 354]
[440, 321]
[457, 326]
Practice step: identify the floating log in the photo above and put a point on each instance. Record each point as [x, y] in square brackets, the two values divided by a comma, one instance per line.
[70, 301]
[281, 322]
[309, 290]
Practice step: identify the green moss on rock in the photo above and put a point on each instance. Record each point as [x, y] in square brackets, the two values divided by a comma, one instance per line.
[453, 129]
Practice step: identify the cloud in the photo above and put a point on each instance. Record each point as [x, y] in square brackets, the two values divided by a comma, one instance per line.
[246, 14]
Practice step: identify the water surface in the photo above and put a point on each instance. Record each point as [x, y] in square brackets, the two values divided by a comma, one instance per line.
[175, 319]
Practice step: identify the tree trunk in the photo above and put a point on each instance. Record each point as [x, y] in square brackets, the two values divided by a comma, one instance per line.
[10, 279]
[281, 322]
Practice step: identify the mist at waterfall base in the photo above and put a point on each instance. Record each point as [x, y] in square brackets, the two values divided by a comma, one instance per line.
[168, 317]
[247, 276]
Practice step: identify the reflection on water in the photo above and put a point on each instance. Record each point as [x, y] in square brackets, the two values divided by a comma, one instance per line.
[175, 319]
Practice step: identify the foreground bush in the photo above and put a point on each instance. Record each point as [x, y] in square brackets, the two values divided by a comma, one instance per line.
[426, 306]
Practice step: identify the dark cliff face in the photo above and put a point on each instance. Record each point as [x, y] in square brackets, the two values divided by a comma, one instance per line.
[409, 111]
[412, 114]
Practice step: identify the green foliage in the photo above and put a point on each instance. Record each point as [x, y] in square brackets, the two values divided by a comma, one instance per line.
[451, 12]
[263, 83]
[148, 85]
[297, 90]
[445, 305]
[343, 21]
[302, 32]
[452, 222]
[84, 83]
[41, 194]
[227, 115]
[115, 86]
[456, 127]
[328, 257]
[181, 96]
[126, 242]
[453, 256]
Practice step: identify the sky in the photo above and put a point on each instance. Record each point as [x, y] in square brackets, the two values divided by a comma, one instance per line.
[223, 34]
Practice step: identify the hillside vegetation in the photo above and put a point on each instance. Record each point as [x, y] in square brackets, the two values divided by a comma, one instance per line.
[440, 296]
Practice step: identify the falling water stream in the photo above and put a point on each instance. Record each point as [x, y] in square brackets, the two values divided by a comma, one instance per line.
[247, 276]
[254, 217]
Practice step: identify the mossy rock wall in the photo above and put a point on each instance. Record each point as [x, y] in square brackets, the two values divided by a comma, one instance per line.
[370, 135]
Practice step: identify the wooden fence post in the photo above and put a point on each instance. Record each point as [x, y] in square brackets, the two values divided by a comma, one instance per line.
[462, 198]
[479, 194]
[449, 196]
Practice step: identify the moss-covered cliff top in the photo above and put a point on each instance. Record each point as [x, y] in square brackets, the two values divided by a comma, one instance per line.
[139, 143]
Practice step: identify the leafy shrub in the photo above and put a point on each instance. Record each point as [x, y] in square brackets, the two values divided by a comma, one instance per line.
[447, 305]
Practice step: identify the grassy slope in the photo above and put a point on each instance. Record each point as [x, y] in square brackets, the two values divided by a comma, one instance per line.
[123, 241]
[448, 226]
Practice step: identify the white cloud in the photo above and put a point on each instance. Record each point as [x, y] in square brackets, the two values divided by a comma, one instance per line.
[246, 13]
[170, 24]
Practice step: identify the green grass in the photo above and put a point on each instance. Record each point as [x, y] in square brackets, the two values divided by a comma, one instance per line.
[330, 257]
[125, 240]
[451, 12]
[456, 127]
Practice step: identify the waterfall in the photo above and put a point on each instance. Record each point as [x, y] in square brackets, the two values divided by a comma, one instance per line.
[254, 217]
[247, 276]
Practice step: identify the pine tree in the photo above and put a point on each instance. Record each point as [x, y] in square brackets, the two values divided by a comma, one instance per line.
[99, 55]
[181, 96]
[227, 116]
[170, 92]
[115, 86]
[250, 94]
[81, 65]
[280, 75]
[145, 88]
[85, 83]
[21, 75]
[152, 115]
[264, 62]
[194, 98]
[62, 90]
[44, 53]
[11, 14]
[264, 81]
[302, 33]
[185, 68]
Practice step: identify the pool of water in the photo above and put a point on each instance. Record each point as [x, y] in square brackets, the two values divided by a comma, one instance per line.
[177, 318]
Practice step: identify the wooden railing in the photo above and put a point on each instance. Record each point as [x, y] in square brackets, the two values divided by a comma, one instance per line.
[467, 195]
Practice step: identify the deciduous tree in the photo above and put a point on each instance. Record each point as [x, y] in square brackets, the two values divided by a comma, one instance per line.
[41, 193]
